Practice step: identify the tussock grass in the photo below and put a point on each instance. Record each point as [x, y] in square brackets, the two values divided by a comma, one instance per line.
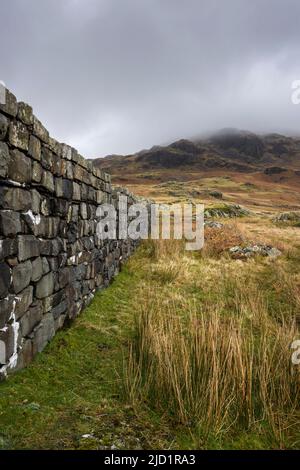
[221, 363]
[182, 351]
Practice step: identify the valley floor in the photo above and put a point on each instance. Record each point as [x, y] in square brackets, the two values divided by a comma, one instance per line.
[95, 388]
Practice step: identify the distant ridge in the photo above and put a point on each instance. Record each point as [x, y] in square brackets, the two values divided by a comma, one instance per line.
[228, 150]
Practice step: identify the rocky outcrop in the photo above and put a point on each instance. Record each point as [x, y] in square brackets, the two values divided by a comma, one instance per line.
[288, 217]
[238, 252]
[226, 211]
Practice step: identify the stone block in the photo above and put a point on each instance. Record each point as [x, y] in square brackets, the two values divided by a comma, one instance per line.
[76, 192]
[11, 106]
[6, 310]
[43, 333]
[46, 267]
[40, 131]
[59, 322]
[47, 158]
[25, 113]
[5, 279]
[36, 201]
[34, 149]
[4, 160]
[55, 147]
[4, 123]
[21, 276]
[75, 213]
[51, 247]
[64, 188]
[7, 336]
[31, 319]
[45, 286]
[59, 309]
[48, 181]
[79, 173]
[8, 248]
[18, 135]
[17, 199]
[67, 189]
[46, 206]
[48, 227]
[66, 152]
[36, 172]
[83, 211]
[23, 301]
[19, 168]
[37, 269]
[28, 247]
[69, 170]
[91, 194]
[53, 300]
[10, 223]
[25, 355]
[100, 197]
[60, 207]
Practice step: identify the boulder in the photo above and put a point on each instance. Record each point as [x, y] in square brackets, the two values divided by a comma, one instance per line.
[238, 252]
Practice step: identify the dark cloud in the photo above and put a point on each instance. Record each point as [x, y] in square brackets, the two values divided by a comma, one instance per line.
[115, 76]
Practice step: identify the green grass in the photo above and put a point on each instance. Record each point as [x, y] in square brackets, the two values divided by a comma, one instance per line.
[75, 386]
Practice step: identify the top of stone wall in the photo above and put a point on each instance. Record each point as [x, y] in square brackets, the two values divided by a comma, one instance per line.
[21, 130]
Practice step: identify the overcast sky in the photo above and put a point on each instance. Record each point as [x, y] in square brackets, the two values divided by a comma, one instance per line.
[116, 76]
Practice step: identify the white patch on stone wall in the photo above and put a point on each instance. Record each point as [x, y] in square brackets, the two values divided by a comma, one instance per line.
[12, 362]
[36, 219]
[16, 183]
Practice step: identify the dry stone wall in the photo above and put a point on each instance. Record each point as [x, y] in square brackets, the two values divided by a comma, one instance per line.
[51, 260]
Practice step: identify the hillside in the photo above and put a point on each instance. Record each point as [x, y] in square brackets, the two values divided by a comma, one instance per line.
[274, 157]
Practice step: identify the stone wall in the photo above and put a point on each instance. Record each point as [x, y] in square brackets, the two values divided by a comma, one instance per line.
[51, 260]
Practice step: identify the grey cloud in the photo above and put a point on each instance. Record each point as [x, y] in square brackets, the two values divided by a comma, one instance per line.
[115, 76]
